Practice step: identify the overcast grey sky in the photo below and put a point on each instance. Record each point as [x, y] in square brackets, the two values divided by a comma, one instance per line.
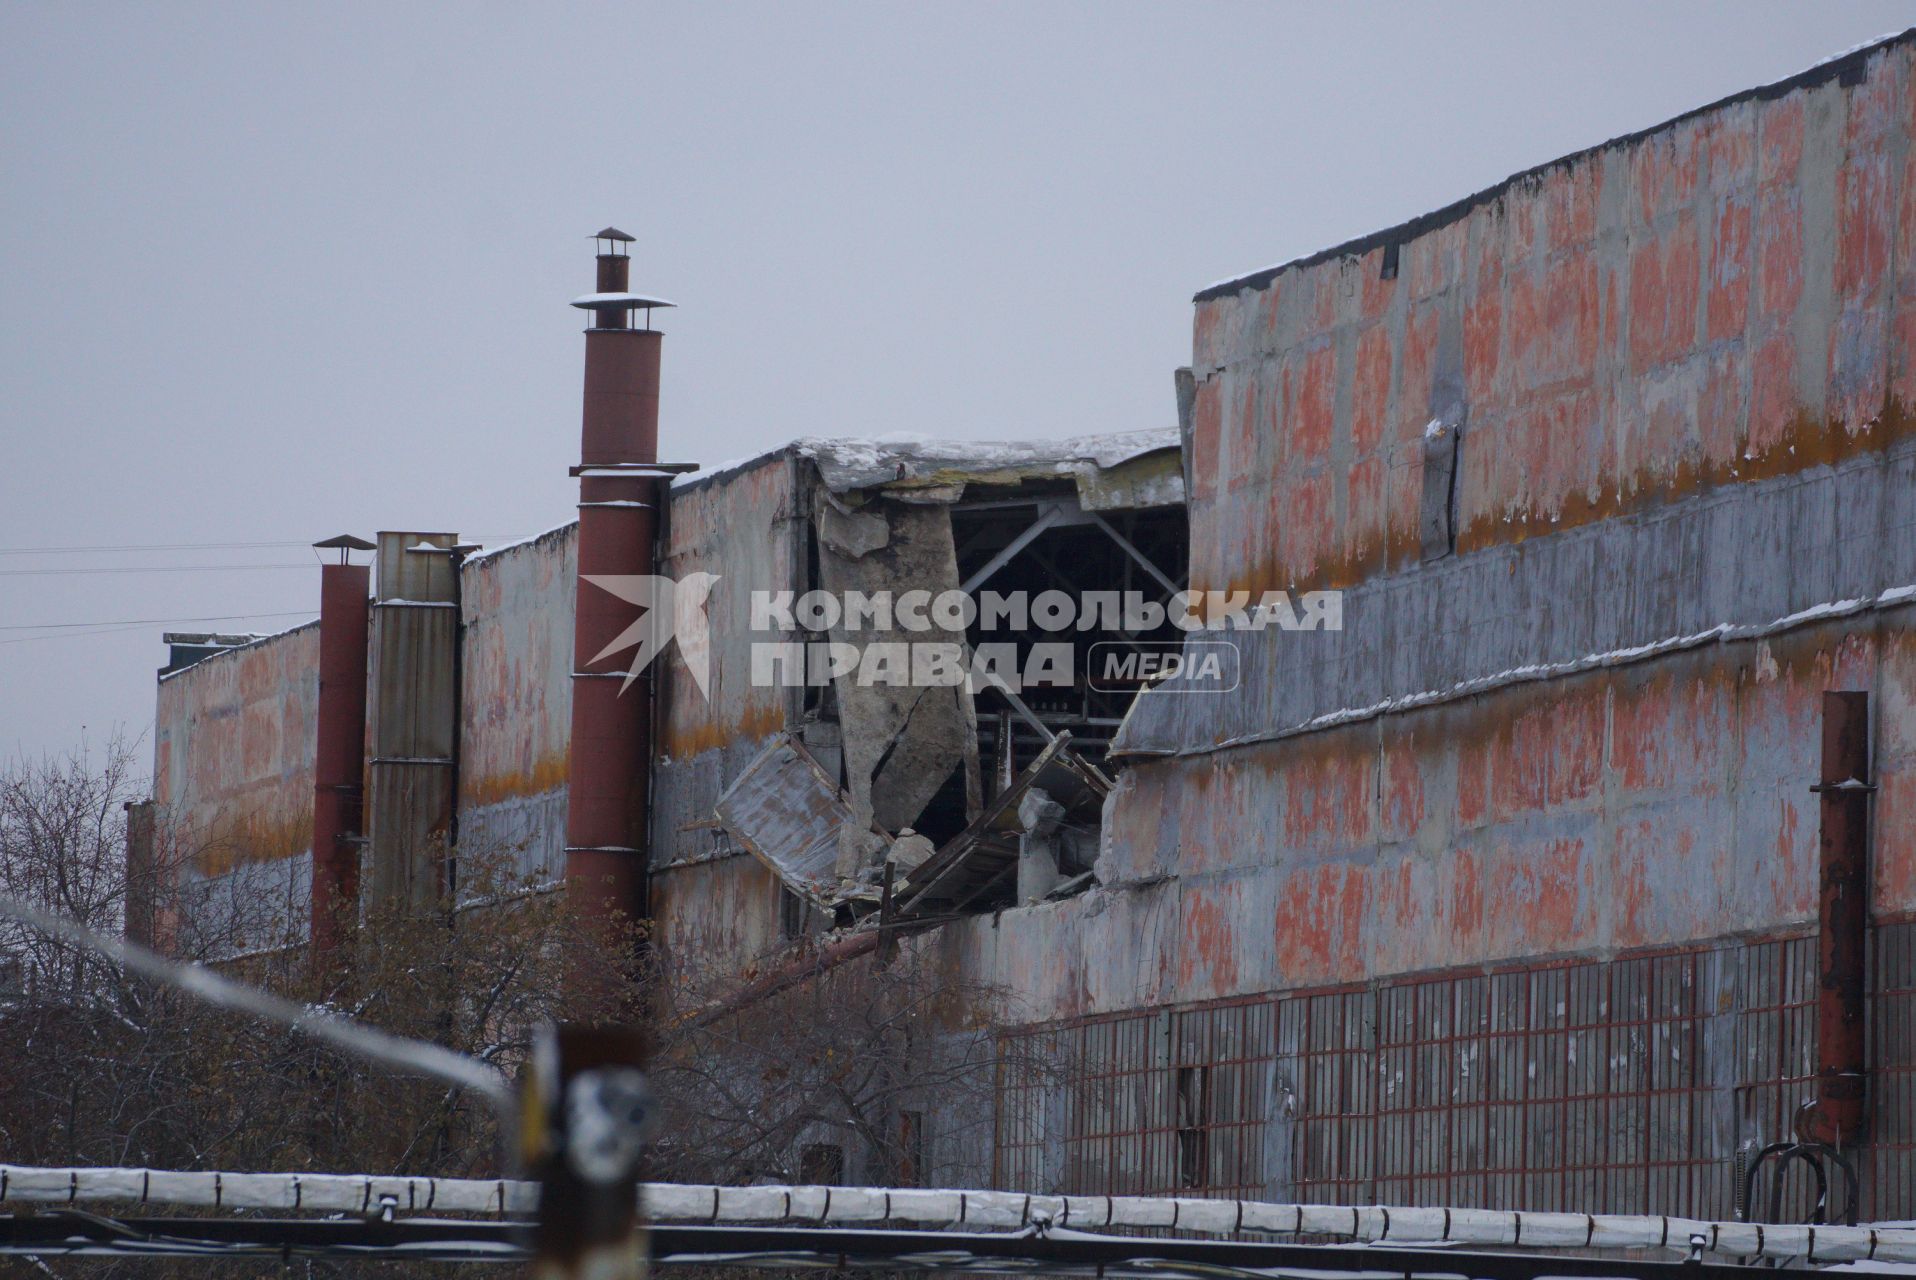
[276, 272]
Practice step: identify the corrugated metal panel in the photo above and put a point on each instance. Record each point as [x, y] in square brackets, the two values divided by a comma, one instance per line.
[1730, 556]
[412, 723]
[789, 813]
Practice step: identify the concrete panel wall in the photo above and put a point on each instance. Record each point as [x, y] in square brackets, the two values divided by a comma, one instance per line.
[1683, 406]
[1660, 803]
[233, 750]
[516, 703]
[746, 528]
[1716, 300]
[1683, 399]
[717, 906]
[716, 918]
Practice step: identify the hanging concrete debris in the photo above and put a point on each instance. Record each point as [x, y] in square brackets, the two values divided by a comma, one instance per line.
[902, 741]
[881, 779]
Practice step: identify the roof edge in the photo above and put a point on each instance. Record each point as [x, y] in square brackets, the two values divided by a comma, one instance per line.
[254, 643]
[1820, 73]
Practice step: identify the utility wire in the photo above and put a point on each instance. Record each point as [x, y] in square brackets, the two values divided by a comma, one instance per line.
[187, 546]
[147, 622]
[152, 568]
[82, 635]
[143, 546]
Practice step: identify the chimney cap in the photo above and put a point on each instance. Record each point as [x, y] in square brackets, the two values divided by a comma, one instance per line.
[612, 233]
[346, 542]
[618, 302]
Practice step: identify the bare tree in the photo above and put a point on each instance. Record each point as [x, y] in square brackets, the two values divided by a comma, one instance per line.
[63, 848]
[883, 1072]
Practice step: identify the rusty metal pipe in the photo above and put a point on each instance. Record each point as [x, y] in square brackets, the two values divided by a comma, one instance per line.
[1836, 1115]
[340, 754]
[143, 892]
[614, 277]
[809, 965]
[611, 749]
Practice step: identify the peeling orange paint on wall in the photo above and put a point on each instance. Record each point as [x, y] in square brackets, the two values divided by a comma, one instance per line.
[234, 737]
[545, 775]
[1603, 346]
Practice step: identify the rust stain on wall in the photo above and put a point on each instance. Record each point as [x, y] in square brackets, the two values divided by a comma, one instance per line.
[685, 740]
[547, 773]
[233, 751]
[1651, 804]
[1714, 303]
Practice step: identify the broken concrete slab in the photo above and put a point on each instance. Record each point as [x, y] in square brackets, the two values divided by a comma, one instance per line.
[901, 741]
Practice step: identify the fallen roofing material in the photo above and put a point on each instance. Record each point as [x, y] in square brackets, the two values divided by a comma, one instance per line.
[987, 853]
[792, 816]
[1113, 471]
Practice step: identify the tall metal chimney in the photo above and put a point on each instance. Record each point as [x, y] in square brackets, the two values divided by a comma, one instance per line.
[619, 492]
[339, 760]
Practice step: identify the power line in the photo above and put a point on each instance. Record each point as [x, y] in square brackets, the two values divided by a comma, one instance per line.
[152, 568]
[187, 546]
[72, 635]
[81, 631]
[144, 622]
[143, 546]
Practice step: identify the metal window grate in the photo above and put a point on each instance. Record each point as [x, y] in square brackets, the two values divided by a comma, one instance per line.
[1889, 1159]
[1622, 1086]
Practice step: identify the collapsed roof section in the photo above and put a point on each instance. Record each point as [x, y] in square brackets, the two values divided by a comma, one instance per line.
[919, 801]
[1113, 471]
[1117, 471]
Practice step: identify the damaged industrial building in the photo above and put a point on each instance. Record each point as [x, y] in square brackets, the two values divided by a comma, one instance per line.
[1572, 869]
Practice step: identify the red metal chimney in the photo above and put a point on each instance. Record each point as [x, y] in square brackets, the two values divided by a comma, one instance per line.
[340, 758]
[619, 491]
[1836, 1115]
